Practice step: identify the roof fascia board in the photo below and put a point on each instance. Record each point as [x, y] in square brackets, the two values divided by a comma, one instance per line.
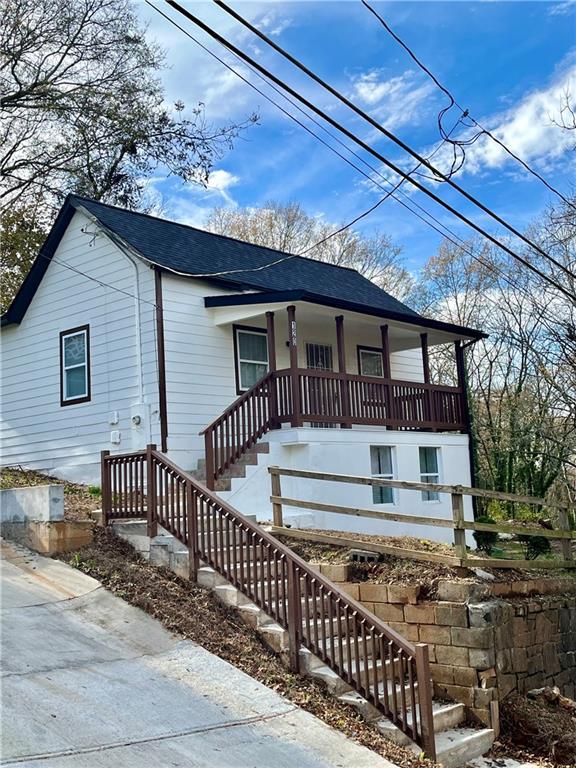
[303, 295]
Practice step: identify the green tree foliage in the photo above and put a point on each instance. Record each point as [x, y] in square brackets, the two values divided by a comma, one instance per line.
[485, 540]
[22, 232]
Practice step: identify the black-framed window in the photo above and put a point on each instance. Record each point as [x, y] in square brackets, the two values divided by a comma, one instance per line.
[251, 356]
[75, 365]
[370, 361]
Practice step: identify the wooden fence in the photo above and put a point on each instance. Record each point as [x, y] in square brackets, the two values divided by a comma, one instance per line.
[385, 668]
[458, 524]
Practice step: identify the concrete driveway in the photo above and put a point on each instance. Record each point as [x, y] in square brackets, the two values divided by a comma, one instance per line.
[88, 680]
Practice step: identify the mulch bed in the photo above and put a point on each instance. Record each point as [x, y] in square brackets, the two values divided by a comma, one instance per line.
[396, 570]
[196, 614]
[535, 731]
[78, 501]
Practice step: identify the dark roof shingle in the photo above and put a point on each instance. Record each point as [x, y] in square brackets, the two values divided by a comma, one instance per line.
[194, 251]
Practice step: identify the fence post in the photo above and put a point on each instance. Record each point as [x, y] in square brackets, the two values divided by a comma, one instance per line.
[209, 453]
[151, 500]
[425, 699]
[276, 491]
[459, 530]
[193, 560]
[105, 486]
[294, 618]
[565, 544]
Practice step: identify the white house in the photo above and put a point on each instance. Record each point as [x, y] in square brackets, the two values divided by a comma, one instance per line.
[131, 329]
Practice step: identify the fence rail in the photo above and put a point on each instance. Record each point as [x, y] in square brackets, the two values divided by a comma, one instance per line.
[389, 671]
[457, 523]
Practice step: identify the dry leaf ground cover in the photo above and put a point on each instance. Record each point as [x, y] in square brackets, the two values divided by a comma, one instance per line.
[79, 500]
[196, 614]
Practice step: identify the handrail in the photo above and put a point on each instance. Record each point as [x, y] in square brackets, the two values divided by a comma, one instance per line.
[316, 396]
[236, 403]
[392, 673]
[232, 433]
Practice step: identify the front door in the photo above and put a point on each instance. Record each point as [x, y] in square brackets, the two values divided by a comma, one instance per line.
[320, 358]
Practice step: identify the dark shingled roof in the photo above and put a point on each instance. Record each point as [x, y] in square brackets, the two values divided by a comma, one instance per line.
[190, 251]
[194, 251]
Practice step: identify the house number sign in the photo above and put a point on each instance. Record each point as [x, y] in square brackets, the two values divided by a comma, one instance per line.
[293, 333]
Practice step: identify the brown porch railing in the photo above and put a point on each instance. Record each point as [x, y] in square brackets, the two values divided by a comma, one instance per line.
[325, 397]
[390, 672]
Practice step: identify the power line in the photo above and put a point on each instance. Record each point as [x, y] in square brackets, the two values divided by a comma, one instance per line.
[373, 123]
[455, 239]
[368, 148]
[453, 101]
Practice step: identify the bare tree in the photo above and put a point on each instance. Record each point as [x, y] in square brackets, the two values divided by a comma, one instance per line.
[288, 228]
[82, 108]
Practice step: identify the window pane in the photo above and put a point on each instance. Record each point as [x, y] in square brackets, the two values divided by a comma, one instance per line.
[319, 356]
[252, 346]
[429, 460]
[250, 373]
[370, 363]
[75, 349]
[382, 495]
[76, 382]
[381, 458]
[430, 495]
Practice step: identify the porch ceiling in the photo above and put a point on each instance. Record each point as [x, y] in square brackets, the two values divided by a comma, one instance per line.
[404, 332]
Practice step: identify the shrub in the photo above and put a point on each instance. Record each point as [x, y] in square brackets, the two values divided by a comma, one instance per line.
[534, 546]
[485, 540]
[94, 490]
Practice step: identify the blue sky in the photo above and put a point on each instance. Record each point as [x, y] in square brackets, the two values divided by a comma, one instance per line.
[509, 63]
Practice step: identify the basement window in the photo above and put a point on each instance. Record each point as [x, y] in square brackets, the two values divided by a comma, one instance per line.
[382, 466]
[429, 471]
[75, 365]
[251, 352]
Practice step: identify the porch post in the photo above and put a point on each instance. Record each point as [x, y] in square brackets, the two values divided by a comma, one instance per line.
[385, 352]
[425, 358]
[295, 382]
[344, 394]
[271, 341]
[463, 385]
[273, 399]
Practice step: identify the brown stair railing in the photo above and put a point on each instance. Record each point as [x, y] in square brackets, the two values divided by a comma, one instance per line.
[326, 397]
[386, 669]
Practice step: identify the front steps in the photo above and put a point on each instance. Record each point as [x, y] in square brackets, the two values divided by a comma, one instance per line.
[237, 470]
[456, 745]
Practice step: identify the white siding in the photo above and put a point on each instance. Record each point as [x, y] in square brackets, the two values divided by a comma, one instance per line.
[36, 431]
[200, 380]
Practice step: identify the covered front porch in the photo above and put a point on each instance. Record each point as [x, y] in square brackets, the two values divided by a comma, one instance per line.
[313, 363]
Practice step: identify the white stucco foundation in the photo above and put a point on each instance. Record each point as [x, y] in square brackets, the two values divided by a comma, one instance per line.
[341, 451]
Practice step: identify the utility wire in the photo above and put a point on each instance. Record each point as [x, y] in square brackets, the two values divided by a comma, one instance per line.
[366, 117]
[453, 102]
[368, 148]
[441, 228]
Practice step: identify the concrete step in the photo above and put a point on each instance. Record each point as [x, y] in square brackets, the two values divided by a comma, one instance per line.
[333, 682]
[446, 717]
[458, 746]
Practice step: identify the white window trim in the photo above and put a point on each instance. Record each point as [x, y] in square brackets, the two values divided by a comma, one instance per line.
[65, 368]
[386, 476]
[240, 360]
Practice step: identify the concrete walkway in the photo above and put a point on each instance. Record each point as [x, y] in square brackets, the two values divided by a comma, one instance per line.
[88, 680]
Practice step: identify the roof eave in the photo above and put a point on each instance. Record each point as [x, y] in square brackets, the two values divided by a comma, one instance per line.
[304, 295]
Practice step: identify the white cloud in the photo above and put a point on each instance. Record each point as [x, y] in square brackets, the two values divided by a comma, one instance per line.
[562, 9]
[271, 25]
[394, 101]
[527, 129]
[221, 180]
